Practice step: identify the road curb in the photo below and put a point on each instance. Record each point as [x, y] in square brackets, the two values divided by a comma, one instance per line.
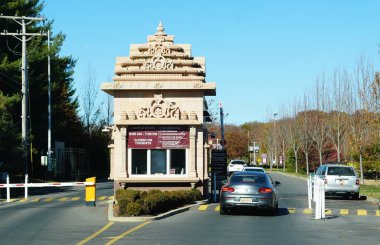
[112, 218]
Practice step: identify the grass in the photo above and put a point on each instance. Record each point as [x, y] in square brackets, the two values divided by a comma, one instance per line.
[370, 191]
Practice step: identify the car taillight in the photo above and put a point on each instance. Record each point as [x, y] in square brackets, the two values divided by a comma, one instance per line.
[228, 189]
[357, 182]
[265, 190]
[325, 181]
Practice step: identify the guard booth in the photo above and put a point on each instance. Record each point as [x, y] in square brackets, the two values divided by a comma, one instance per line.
[159, 136]
[218, 171]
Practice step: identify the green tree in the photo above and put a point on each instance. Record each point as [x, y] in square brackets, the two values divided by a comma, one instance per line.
[66, 125]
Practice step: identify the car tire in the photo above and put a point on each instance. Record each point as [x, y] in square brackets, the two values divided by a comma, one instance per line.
[273, 211]
[223, 211]
[356, 196]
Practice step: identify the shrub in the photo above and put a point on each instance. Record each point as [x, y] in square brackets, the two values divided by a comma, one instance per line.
[134, 209]
[124, 197]
[132, 202]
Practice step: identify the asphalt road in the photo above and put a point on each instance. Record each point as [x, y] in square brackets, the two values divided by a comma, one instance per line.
[70, 222]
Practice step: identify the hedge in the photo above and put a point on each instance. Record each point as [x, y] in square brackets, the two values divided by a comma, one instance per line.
[131, 202]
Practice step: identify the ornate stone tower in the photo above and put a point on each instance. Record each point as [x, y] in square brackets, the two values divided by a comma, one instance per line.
[159, 114]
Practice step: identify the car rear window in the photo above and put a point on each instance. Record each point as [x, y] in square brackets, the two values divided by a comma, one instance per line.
[340, 171]
[247, 179]
[253, 170]
[237, 162]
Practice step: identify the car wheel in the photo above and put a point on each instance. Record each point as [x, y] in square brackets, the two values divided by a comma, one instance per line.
[274, 210]
[355, 196]
[223, 211]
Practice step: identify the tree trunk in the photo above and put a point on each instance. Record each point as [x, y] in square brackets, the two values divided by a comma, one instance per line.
[307, 163]
[295, 156]
[320, 157]
[361, 169]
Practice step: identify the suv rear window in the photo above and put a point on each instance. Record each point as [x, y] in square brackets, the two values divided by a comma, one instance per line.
[343, 171]
[237, 162]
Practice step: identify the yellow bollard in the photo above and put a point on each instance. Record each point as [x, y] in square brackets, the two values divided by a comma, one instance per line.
[91, 192]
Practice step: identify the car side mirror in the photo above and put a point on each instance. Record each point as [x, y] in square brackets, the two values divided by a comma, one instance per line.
[277, 183]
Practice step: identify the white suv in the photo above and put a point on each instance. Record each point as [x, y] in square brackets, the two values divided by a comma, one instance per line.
[339, 180]
[236, 165]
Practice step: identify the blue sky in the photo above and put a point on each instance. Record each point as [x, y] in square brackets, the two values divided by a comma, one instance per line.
[261, 54]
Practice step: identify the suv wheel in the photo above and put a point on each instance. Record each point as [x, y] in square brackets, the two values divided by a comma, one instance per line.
[355, 196]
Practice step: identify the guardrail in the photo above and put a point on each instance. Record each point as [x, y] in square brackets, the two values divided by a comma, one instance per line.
[90, 187]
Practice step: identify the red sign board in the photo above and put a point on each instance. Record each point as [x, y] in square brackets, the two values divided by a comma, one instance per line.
[158, 137]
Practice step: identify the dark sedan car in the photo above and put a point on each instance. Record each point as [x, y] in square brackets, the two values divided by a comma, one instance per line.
[249, 189]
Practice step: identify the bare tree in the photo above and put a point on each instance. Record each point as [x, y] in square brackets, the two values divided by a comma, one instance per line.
[293, 132]
[362, 105]
[305, 138]
[318, 117]
[88, 99]
[337, 120]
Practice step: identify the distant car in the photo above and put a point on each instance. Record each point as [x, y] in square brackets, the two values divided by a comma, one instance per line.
[250, 190]
[340, 180]
[236, 165]
[253, 169]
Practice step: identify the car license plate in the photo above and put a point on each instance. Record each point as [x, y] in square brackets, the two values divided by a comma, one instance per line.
[341, 182]
[245, 200]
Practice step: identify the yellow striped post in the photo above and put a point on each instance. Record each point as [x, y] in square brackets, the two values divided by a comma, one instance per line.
[91, 193]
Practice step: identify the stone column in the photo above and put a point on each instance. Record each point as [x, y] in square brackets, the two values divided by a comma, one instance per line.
[205, 160]
[123, 153]
[193, 153]
[111, 148]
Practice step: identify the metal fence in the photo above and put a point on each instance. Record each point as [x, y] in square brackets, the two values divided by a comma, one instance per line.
[70, 163]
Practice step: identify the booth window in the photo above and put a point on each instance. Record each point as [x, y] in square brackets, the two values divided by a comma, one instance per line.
[158, 161]
[139, 158]
[178, 161]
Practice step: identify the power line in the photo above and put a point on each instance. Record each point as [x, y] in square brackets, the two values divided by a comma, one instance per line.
[24, 37]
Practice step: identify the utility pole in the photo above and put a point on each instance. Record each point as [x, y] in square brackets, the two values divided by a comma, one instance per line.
[21, 20]
[49, 107]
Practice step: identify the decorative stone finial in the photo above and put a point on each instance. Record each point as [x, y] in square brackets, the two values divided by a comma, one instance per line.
[160, 30]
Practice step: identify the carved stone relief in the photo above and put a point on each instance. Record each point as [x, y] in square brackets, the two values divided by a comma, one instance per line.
[160, 108]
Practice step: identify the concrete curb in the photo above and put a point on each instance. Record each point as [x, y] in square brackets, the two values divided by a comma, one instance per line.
[369, 199]
[111, 217]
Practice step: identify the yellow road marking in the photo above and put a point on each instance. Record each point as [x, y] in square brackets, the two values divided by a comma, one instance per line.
[203, 207]
[126, 233]
[377, 212]
[75, 199]
[110, 198]
[23, 200]
[48, 199]
[292, 210]
[63, 199]
[95, 234]
[102, 198]
[308, 211]
[36, 200]
[217, 208]
[344, 212]
[328, 211]
[362, 212]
